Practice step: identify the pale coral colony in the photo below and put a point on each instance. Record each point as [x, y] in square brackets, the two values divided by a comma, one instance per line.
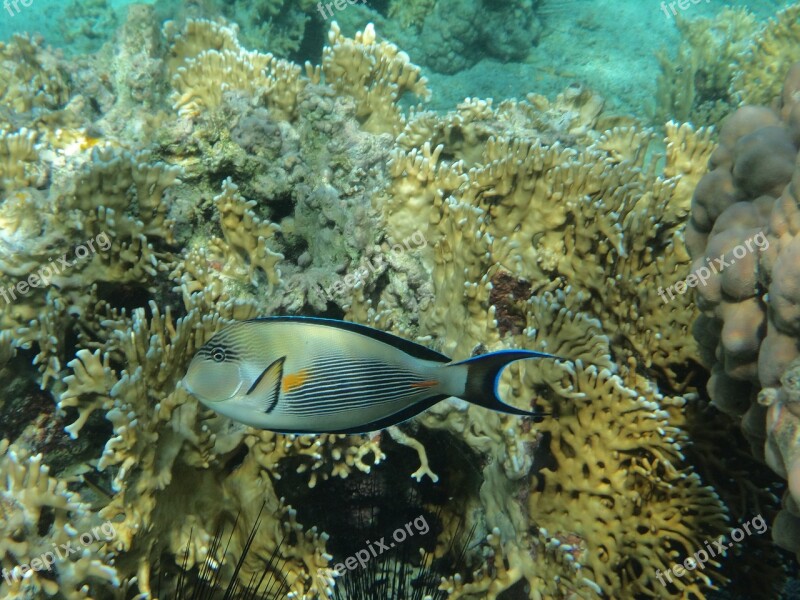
[234, 181]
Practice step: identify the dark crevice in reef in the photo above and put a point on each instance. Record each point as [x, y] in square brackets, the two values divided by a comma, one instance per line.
[381, 283]
[518, 591]
[388, 519]
[365, 505]
[332, 311]
[29, 411]
[124, 296]
[281, 206]
[292, 246]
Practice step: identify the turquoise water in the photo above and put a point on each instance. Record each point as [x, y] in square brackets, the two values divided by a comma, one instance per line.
[608, 44]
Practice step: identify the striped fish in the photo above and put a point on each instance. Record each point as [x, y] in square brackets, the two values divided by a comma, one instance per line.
[314, 375]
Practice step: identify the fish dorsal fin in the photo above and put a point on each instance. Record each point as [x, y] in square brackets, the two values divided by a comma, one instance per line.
[263, 394]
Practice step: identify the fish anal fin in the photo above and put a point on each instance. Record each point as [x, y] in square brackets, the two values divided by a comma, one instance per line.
[267, 386]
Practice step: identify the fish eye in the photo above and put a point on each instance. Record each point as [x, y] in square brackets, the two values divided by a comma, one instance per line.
[218, 354]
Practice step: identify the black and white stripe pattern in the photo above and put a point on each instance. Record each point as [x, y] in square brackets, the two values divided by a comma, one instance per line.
[340, 384]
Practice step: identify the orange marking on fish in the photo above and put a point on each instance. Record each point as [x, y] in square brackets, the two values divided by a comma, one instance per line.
[425, 384]
[292, 381]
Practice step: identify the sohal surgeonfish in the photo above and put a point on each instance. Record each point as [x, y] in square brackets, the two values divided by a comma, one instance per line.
[314, 375]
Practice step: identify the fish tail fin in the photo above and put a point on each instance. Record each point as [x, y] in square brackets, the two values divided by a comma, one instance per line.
[483, 373]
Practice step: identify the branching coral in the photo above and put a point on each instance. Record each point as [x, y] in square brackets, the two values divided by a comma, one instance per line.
[693, 86]
[38, 514]
[375, 74]
[724, 62]
[200, 80]
[160, 443]
[246, 234]
[19, 161]
[520, 219]
[29, 78]
[760, 67]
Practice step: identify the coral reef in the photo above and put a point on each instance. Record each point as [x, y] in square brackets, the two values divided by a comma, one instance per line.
[723, 62]
[201, 80]
[498, 189]
[694, 84]
[248, 185]
[374, 74]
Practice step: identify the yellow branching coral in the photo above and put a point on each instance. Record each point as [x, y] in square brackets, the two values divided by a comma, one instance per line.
[202, 75]
[508, 238]
[111, 183]
[693, 86]
[330, 455]
[196, 37]
[619, 463]
[201, 82]
[375, 74]
[758, 75]
[246, 234]
[19, 161]
[28, 80]
[724, 62]
[39, 517]
[540, 209]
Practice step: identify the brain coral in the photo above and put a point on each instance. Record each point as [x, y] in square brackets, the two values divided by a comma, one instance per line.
[260, 186]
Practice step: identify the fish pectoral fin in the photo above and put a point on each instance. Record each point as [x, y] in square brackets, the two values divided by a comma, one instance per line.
[263, 394]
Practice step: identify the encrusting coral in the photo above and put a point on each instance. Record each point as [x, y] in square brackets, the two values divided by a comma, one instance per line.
[545, 226]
